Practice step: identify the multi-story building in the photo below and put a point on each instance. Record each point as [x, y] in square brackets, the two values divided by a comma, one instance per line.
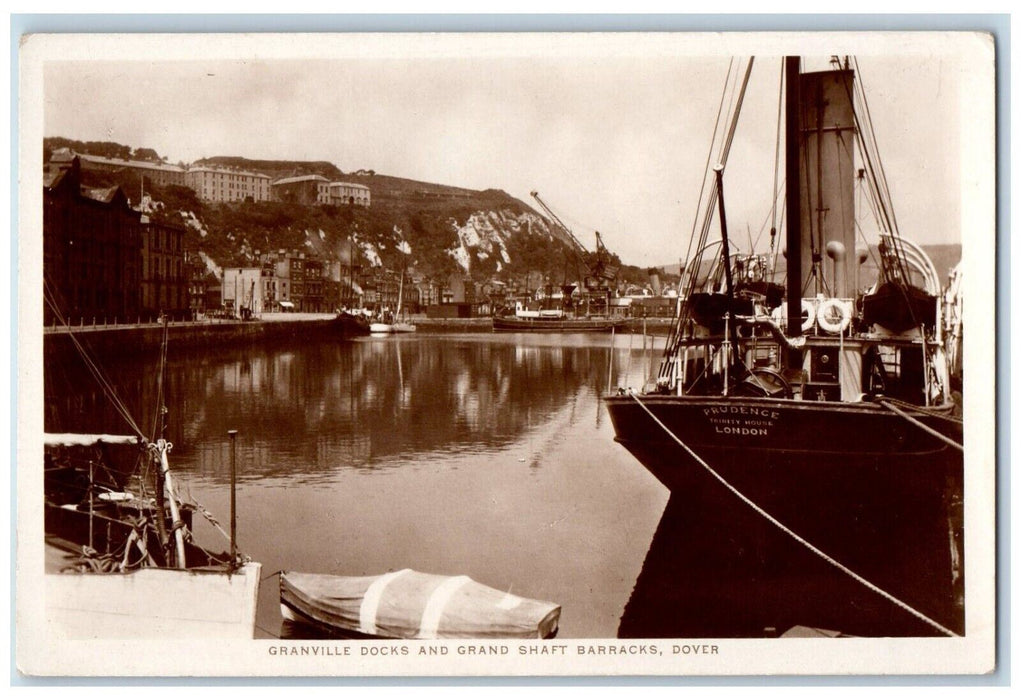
[314, 286]
[243, 291]
[382, 289]
[349, 193]
[200, 280]
[159, 173]
[302, 189]
[223, 185]
[340, 290]
[91, 249]
[163, 278]
[299, 282]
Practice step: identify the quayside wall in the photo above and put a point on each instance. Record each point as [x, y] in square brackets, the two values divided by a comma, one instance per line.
[146, 339]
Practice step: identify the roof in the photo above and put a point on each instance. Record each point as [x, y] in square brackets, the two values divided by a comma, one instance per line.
[53, 178]
[225, 171]
[349, 184]
[300, 178]
[149, 165]
[100, 194]
[62, 155]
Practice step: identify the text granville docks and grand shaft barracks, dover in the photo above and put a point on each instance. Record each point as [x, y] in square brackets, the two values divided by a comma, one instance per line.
[690, 649]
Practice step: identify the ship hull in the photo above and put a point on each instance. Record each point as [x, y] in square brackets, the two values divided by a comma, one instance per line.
[554, 325]
[154, 603]
[859, 483]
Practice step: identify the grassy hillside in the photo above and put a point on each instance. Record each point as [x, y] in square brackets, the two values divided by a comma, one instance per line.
[276, 169]
[434, 229]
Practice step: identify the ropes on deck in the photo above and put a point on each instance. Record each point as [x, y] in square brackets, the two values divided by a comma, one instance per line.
[786, 530]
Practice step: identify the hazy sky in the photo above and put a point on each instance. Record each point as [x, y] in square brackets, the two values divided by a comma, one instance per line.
[613, 137]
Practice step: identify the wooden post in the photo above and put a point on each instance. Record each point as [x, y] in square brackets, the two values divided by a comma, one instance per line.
[233, 503]
[92, 493]
[609, 364]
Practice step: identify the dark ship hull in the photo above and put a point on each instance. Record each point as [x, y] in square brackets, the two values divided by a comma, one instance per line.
[555, 325]
[867, 488]
[351, 325]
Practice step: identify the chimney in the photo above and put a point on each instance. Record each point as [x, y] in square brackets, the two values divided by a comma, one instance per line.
[657, 287]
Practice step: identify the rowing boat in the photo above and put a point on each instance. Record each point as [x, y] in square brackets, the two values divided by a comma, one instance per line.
[407, 604]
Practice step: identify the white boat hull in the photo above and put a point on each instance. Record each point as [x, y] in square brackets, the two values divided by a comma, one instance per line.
[392, 328]
[154, 603]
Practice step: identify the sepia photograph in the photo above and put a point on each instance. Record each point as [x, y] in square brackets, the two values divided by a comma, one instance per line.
[563, 354]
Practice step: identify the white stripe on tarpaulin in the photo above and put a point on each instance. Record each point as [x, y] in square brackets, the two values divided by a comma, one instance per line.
[437, 602]
[509, 602]
[370, 603]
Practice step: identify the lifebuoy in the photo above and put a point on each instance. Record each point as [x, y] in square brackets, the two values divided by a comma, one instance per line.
[834, 315]
[807, 313]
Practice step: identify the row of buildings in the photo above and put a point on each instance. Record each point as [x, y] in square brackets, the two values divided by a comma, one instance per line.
[103, 260]
[231, 185]
[293, 281]
[106, 262]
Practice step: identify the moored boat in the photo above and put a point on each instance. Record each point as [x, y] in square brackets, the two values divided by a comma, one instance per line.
[351, 325]
[390, 322]
[562, 324]
[394, 327]
[834, 426]
[121, 560]
[408, 604]
[120, 565]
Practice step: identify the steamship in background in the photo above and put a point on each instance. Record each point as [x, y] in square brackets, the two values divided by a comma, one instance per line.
[808, 423]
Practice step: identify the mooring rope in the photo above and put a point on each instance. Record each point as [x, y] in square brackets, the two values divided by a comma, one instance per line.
[805, 543]
[919, 424]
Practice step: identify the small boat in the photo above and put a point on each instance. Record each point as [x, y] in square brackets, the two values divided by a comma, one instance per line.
[395, 327]
[391, 324]
[407, 604]
[116, 568]
[564, 324]
[121, 562]
[351, 324]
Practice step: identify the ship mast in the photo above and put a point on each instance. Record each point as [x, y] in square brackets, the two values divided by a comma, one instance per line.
[793, 137]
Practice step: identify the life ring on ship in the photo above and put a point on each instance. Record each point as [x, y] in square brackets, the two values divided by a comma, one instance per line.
[834, 315]
[807, 315]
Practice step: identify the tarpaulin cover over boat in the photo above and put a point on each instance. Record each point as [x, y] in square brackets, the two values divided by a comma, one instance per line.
[408, 604]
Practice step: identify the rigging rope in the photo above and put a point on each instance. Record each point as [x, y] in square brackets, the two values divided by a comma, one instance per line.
[919, 424]
[91, 365]
[694, 264]
[786, 530]
[708, 158]
[776, 155]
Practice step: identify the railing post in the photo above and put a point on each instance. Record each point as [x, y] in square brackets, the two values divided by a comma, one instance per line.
[233, 503]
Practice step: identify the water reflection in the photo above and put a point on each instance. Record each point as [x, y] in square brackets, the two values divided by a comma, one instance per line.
[485, 455]
[371, 404]
[701, 580]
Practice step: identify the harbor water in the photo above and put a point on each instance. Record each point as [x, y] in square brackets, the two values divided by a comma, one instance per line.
[479, 454]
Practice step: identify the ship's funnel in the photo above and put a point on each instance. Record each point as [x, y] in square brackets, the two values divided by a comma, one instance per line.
[657, 286]
[826, 175]
[837, 252]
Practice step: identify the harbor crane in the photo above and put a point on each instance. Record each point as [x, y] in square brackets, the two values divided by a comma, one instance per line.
[602, 272]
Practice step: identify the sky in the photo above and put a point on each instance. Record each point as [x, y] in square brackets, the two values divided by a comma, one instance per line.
[612, 131]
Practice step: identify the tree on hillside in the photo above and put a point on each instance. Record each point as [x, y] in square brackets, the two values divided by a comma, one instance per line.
[147, 154]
